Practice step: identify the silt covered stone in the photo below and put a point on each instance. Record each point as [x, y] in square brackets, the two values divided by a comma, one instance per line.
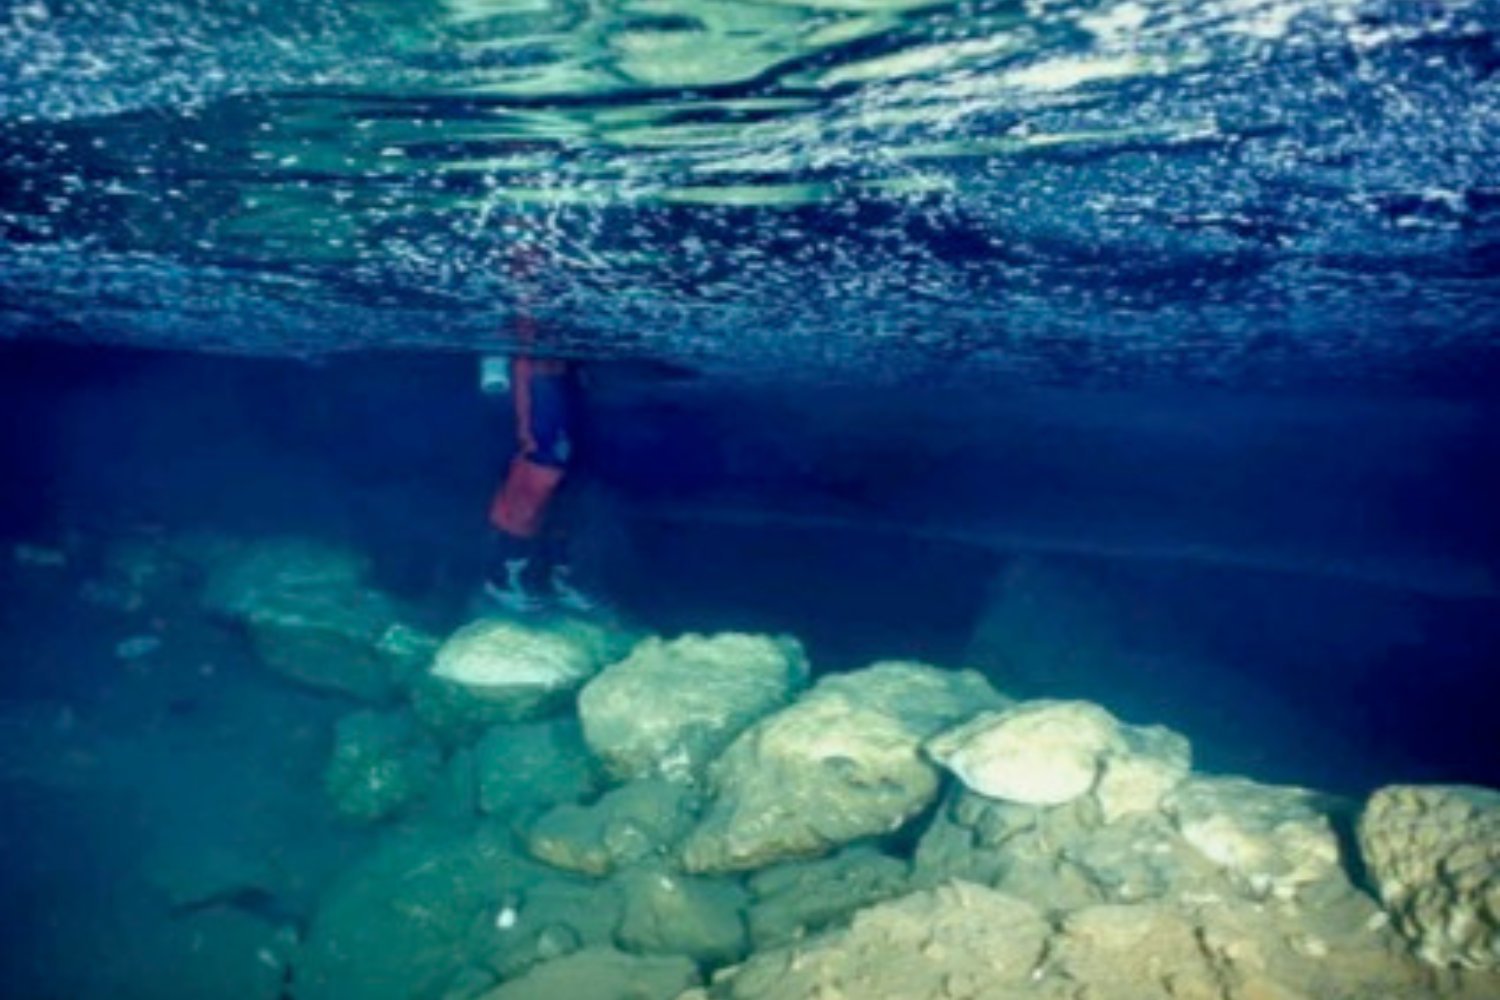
[1434, 853]
[672, 706]
[311, 615]
[842, 763]
[520, 670]
[1049, 753]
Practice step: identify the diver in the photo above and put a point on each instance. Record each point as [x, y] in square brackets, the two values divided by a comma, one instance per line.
[528, 569]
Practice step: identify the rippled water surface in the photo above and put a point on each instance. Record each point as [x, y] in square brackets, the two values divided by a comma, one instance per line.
[1262, 190]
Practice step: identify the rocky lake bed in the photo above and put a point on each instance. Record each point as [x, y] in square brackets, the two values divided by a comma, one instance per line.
[293, 785]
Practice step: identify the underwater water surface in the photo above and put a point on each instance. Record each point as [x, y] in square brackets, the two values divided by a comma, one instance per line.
[1039, 462]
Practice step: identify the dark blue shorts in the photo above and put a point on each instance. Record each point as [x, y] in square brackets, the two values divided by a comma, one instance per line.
[552, 417]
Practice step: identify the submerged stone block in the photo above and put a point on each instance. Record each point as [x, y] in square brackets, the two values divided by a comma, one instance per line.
[672, 914]
[602, 974]
[520, 768]
[1434, 853]
[521, 670]
[639, 821]
[671, 707]
[1048, 753]
[311, 616]
[381, 762]
[1273, 841]
[840, 764]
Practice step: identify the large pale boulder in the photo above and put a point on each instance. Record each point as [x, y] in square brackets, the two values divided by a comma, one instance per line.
[1038, 753]
[1047, 753]
[522, 670]
[311, 616]
[925, 698]
[1434, 853]
[809, 779]
[671, 707]
[840, 764]
[1272, 841]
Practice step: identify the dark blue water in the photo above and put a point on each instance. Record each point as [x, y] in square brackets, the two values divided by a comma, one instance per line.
[1172, 324]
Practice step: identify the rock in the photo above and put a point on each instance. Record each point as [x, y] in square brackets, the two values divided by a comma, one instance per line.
[549, 920]
[526, 767]
[142, 569]
[602, 974]
[240, 578]
[451, 713]
[1068, 855]
[381, 762]
[638, 821]
[1041, 753]
[1225, 948]
[409, 917]
[964, 940]
[1270, 840]
[840, 764]
[1434, 853]
[522, 670]
[925, 698]
[804, 897]
[309, 613]
[1125, 951]
[958, 940]
[1139, 774]
[407, 651]
[807, 780]
[455, 795]
[210, 874]
[671, 707]
[215, 952]
[1046, 753]
[671, 914]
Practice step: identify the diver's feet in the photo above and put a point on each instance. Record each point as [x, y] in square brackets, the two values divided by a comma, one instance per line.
[568, 595]
[515, 591]
[521, 590]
